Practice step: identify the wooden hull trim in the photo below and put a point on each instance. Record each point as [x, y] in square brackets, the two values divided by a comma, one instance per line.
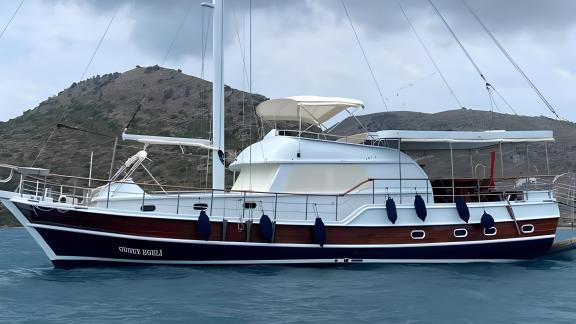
[294, 245]
[237, 233]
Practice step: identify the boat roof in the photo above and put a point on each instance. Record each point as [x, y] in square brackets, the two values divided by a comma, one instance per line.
[309, 109]
[460, 139]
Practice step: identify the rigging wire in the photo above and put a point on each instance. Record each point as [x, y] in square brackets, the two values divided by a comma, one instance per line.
[457, 40]
[84, 130]
[11, 18]
[246, 76]
[411, 84]
[487, 84]
[429, 54]
[182, 22]
[65, 110]
[364, 54]
[168, 50]
[493, 104]
[100, 43]
[518, 68]
[244, 72]
[503, 100]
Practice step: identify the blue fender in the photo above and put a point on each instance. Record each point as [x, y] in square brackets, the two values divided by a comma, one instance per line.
[420, 207]
[462, 208]
[391, 210]
[319, 232]
[487, 220]
[266, 228]
[204, 226]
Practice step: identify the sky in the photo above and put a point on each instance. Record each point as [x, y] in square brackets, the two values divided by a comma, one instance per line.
[302, 47]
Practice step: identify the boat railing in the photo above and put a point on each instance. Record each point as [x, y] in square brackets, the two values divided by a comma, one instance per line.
[245, 204]
[565, 194]
[322, 136]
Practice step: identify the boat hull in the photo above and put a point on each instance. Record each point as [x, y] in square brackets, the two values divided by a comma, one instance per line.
[81, 237]
[79, 248]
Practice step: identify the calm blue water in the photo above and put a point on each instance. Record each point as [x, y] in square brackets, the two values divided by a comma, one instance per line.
[31, 291]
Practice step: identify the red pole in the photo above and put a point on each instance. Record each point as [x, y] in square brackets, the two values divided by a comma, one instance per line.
[492, 160]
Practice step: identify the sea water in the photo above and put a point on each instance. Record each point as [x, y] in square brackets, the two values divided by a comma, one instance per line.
[32, 291]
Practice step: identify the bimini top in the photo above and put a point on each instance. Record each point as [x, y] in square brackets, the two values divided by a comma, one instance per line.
[309, 109]
[460, 139]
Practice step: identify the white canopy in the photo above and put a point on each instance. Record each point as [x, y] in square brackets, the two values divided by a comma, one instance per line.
[162, 140]
[308, 109]
[460, 139]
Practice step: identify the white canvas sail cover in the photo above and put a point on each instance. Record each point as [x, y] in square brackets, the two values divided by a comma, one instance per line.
[308, 109]
[164, 140]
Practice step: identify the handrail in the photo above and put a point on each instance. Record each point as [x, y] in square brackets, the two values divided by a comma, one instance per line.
[330, 205]
[344, 193]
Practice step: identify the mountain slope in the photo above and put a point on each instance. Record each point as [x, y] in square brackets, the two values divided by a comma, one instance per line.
[172, 104]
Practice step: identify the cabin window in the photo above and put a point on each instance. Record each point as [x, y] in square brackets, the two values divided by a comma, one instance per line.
[490, 231]
[200, 206]
[148, 208]
[460, 232]
[418, 234]
[527, 228]
[249, 205]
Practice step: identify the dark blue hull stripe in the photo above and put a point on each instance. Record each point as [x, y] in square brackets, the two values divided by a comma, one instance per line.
[90, 246]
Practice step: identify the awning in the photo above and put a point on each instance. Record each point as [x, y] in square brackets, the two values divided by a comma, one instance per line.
[430, 140]
[309, 109]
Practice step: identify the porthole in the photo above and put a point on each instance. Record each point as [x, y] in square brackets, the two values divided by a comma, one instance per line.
[460, 232]
[527, 228]
[490, 231]
[148, 208]
[200, 206]
[417, 234]
[249, 205]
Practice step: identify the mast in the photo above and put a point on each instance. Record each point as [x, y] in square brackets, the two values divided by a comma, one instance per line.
[218, 95]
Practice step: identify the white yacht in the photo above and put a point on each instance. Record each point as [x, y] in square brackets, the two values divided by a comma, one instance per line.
[299, 197]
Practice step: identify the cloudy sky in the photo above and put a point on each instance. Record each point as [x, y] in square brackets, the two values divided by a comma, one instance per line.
[302, 47]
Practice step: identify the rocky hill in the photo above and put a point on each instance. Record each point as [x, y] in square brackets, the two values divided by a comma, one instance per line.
[172, 104]
[176, 104]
